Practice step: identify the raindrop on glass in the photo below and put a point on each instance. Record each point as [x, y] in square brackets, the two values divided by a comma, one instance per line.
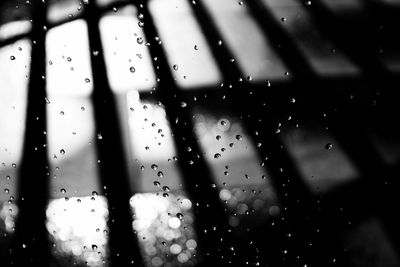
[328, 146]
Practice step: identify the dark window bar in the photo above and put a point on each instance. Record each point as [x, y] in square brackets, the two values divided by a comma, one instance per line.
[30, 244]
[123, 243]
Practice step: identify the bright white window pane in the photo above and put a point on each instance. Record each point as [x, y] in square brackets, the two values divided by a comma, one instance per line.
[68, 69]
[129, 65]
[71, 148]
[194, 63]
[14, 69]
[252, 51]
[152, 146]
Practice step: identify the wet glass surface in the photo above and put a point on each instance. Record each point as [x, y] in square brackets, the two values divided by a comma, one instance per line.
[199, 133]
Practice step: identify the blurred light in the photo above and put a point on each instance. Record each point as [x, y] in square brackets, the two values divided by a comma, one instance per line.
[163, 235]
[78, 227]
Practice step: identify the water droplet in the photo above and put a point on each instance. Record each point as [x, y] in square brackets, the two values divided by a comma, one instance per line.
[139, 40]
[166, 188]
[94, 247]
[94, 193]
[12, 57]
[154, 167]
[183, 104]
[157, 183]
[87, 80]
[160, 174]
[6, 190]
[218, 137]
[179, 216]
[283, 19]
[132, 69]
[328, 146]
[217, 155]
[62, 151]
[175, 67]
[239, 137]
[14, 165]
[196, 47]
[69, 59]
[63, 191]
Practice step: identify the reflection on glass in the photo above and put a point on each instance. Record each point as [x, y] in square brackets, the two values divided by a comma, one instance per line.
[152, 145]
[77, 226]
[244, 185]
[129, 65]
[164, 225]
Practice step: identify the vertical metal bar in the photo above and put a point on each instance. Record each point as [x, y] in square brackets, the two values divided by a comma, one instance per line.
[210, 221]
[123, 242]
[31, 246]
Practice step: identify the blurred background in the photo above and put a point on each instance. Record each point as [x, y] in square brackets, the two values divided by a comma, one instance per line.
[199, 132]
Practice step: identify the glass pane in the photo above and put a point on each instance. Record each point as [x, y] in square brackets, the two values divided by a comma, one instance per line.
[14, 69]
[325, 57]
[68, 69]
[129, 65]
[251, 49]
[244, 185]
[191, 61]
[321, 160]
